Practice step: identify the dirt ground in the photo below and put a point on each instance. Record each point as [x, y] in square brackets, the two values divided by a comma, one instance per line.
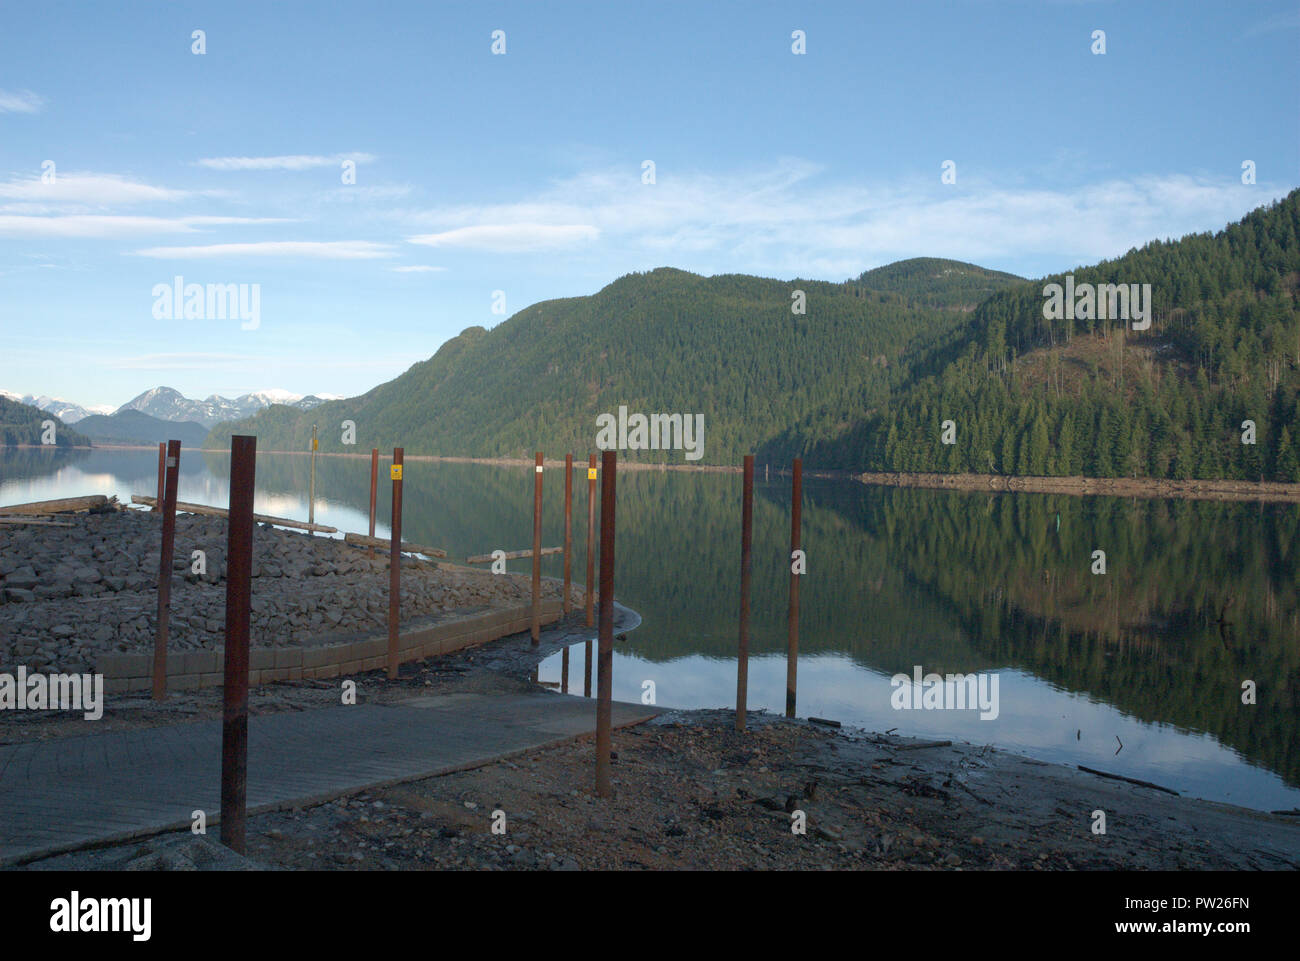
[691, 793]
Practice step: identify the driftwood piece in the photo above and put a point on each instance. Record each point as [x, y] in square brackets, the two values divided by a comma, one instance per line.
[364, 540]
[923, 745]
[512, 555]
[57, 506]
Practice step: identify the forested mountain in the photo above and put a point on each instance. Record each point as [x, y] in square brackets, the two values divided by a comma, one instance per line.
[731, 347]
[1028, 395]
[130, 426]
[937, 282]
[867, 376]
[21, 424]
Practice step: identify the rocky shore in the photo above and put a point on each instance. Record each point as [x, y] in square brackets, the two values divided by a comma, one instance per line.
[69, 594]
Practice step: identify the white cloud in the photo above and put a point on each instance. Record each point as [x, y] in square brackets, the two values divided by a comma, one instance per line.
[325, 250]
[288, 162]
[20, 101]
[512, 237]
[87, 188]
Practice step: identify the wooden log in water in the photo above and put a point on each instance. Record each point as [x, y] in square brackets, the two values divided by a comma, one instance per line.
[207, 511]
[512, 555]
[1130, 780]
[361, 540]
[56, 506]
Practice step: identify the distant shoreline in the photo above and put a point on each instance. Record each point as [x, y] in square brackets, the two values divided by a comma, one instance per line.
[1217, 489]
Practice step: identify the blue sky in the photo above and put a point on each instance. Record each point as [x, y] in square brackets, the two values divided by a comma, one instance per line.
[522, 172]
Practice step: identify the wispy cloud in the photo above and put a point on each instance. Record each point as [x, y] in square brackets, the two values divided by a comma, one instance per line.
[1289, 20]
[286, 162]
[185, 361]
[322, 250]
[790, 219]
[104, 226]
[20, 101]
[511, 237]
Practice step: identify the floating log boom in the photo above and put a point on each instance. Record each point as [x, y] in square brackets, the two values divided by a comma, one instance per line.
[207, 511]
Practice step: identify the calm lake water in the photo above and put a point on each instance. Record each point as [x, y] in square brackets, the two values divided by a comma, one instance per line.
[953, 582]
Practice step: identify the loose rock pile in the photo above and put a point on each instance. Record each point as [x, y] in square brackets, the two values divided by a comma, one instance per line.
[68, 594]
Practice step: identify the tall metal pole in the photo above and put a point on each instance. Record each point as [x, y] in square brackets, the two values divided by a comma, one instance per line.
[395, 565]
[605, 666]
[172, 465]
[537, 550]
[311, 487]
[374, 485]
[792, 645]
[746, 546]
[568, 533]
[239, 581]
[162, 475]
[591, 551]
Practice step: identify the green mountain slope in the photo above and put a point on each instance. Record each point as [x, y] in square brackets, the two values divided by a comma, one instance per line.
[729, 347]
[21, 424]
[1028, 395]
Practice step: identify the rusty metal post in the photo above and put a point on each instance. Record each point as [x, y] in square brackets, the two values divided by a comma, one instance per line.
[374, 486]
[311, 484]
[172, 463]
[605, 666]
[746, 546]
[568, 534]
[162, 474]
[792, 645]
[564, 672]
[591, 553]
[239, 583]
[395, 565]
[586, 671]
[537, 551]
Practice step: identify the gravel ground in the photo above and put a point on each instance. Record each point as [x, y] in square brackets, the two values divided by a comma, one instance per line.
[68, 594]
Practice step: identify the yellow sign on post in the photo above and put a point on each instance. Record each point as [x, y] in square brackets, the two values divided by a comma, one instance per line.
[315, 444]
[591, 473]
[396, 471]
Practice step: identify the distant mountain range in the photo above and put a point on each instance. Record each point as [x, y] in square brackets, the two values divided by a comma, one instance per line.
[64, 410]
[167, 404]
